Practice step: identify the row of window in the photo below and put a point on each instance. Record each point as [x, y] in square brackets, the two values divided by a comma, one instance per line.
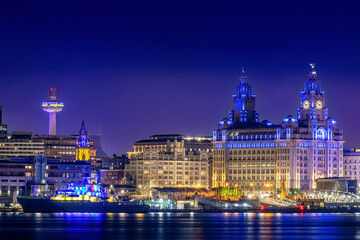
[268, 178]
[234, 152]
[253, 171]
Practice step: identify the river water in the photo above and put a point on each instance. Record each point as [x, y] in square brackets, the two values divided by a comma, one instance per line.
[179, 226]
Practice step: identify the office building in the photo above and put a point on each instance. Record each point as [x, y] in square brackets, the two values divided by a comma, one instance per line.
[66, 147]
[258, 155]
[352, 163]
[112, 171]
[175, 168]
[35, 174]
[19, 144]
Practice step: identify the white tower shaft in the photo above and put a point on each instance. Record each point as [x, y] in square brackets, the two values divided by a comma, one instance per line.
[52, 123]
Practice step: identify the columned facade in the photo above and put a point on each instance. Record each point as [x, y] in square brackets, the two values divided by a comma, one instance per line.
[258, 156]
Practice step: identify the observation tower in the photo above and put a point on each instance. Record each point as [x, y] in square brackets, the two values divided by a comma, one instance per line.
[52, 106]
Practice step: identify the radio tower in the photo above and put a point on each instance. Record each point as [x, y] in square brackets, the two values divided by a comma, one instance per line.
[52, 107]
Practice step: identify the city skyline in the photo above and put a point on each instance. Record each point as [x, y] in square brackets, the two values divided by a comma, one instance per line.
[172, 71]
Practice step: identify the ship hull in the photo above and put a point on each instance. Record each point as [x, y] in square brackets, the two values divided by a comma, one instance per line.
[39, 205]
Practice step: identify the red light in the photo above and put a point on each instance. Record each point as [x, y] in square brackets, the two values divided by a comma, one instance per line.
[301, 208]
[262, 208]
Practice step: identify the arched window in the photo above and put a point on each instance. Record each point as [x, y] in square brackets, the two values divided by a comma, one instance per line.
[320, 134]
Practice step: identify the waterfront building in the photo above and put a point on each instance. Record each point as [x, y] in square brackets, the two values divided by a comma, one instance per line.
[336, 185]
[154, 168]
[28, 174]
[170, 142]
[52, 106]
[112, 176]
[19, 144]
[61, 174]
[58, 146]
[3, 127]
[15, 173]
[352, 163]
[258, 156]
[65, 147]
[112, 171]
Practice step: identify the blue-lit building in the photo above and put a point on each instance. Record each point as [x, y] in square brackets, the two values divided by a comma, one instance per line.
[39, 174]
[258, 155]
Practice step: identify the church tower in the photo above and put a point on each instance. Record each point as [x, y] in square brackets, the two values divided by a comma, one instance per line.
[82, 145]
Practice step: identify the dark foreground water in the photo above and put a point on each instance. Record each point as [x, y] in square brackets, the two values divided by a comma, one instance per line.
[179, 226]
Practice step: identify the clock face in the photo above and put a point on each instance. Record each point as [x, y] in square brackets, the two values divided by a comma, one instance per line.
[306, 104]
[319, 104]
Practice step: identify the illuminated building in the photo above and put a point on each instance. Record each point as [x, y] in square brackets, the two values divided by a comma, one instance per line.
[52, 106]
[176, 143]
[63, 147]
[15, 173]
[82, 145]
[352, 164]
[168, 142]
[153, 168]
[3, 127]
[19, 144]
[58, 146]
[47, 174]
[257, 156]
[112, 171]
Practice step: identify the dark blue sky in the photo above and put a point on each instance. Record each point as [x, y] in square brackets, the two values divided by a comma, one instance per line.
[139, 68]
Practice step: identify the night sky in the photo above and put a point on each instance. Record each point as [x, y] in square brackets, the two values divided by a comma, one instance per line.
[138, 68]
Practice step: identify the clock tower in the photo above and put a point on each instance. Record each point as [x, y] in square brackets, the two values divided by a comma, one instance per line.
[82, 145]
[312, 100]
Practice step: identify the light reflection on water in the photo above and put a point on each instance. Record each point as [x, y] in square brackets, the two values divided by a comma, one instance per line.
[178, 226]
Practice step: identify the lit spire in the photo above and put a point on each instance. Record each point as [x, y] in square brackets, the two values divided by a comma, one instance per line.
[82, 140]
[312, 74]
[243, 77]
[82, 128]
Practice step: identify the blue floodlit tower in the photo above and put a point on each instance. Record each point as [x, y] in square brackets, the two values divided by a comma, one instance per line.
[52, 107]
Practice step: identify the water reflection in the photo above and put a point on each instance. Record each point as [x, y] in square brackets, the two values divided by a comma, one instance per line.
[178, 226]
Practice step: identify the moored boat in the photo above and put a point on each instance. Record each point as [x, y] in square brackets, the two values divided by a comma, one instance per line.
[87, 199]
[84, 206]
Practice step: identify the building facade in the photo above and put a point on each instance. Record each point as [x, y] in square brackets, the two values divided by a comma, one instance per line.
[258, 156]
[170, 142]
[152, 168]
[352, 164]
[22, 174]
[58, 146]
[112, 171]
[19, 144]
[66, 147]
